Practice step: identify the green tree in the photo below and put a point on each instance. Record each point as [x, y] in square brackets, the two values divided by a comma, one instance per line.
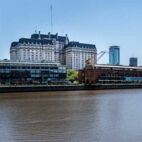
[72, 75]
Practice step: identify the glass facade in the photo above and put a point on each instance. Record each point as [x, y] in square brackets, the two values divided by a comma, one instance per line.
[25, 73]
[114, 55]
[133, 61]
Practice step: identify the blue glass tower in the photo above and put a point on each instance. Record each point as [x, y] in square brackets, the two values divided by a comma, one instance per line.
[114, 55]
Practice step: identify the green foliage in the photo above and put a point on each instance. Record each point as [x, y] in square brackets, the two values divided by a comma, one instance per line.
[72, 75]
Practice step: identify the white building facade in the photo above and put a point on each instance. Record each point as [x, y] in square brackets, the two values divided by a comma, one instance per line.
[52, 48]
[77, 54]
[38, 48]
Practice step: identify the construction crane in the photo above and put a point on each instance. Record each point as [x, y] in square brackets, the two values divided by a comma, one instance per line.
[99, 56]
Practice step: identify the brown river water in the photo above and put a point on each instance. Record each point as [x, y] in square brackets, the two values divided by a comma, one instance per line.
[74, 116]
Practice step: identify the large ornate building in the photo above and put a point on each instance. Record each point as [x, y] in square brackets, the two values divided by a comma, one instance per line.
[52, 48]
[39, 48]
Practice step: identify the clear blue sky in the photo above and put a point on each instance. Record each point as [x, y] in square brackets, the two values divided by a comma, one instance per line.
[101, 22]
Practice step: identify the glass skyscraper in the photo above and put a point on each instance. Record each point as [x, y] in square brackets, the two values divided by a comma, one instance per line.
[133, 61]
[114, 55]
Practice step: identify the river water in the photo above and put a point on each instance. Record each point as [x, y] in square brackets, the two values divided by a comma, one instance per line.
[75, 116]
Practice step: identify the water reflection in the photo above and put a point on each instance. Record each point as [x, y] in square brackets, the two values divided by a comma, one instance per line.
[80, 116]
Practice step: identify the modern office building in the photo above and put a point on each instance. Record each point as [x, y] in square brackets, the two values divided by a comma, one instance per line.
[114, 55]
[26, 73]
[77, 54]
[133, 61]
[52, 48]
[39, 48]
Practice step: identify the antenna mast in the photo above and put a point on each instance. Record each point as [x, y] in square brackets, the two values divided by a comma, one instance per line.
[51, 8]
[35, 29]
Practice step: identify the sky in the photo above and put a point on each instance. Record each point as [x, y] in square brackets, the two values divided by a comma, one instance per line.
[100, 22]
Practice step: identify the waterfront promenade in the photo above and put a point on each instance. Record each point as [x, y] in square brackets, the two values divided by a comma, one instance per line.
[39, 88]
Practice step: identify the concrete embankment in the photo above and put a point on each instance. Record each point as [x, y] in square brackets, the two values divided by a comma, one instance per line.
[32, 88]
[39, 88]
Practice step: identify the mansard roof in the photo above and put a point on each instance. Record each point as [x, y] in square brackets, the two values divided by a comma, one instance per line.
[49, 36]
[35, 41]
[13, 44]
[81, 45]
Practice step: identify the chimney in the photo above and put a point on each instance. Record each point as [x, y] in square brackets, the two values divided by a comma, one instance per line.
[39, 35]
[49, 35]
[56, 35]
[67, 41]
